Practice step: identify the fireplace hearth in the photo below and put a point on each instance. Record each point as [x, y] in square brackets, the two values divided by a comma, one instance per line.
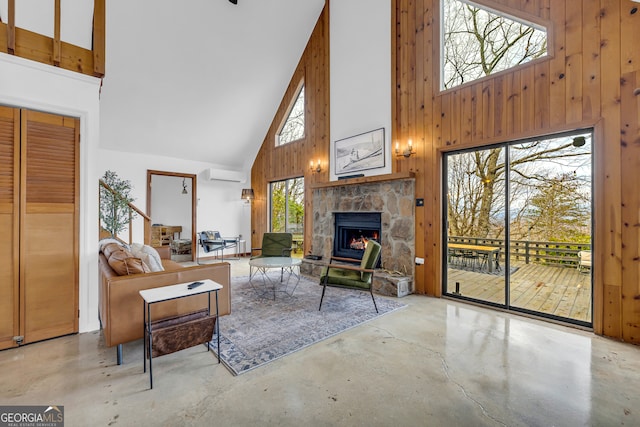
[352, 232]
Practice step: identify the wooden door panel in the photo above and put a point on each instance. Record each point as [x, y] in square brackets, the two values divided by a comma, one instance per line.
[49, 225]
[49, 276]
[9, 230]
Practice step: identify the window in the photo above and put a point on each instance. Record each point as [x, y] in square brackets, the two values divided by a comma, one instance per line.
[292, 128]
[287, 210]
[477, 42]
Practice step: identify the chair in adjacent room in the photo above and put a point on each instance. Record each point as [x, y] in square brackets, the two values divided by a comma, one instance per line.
[212, 241]
[352, 276]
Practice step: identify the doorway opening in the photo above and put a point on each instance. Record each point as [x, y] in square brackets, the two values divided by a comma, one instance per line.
[171, 205]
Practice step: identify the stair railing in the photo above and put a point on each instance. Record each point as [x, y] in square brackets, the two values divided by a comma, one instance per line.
[131, 210]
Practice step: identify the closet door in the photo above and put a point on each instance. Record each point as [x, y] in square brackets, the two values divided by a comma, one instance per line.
[9, 237]
[49, 225]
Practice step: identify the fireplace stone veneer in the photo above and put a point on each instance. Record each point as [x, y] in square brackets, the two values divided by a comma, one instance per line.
[394, 199]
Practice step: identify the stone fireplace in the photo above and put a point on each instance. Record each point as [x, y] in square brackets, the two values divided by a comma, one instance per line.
[392, 198]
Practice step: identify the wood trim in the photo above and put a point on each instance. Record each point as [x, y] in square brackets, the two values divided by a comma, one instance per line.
[364, 180]
[56, 34]
[11, 27]
[99, 37]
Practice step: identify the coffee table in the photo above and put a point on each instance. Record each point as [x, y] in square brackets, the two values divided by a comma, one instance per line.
[287, 266]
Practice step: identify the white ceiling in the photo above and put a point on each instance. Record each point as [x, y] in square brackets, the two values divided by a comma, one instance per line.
[201, 82]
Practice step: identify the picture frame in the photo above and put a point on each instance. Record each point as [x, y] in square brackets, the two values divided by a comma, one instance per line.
[359, 152]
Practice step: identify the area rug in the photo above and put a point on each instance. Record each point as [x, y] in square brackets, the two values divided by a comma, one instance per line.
[260, 330]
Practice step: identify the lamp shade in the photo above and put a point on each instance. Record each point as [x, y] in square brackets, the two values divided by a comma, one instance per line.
[247, 194]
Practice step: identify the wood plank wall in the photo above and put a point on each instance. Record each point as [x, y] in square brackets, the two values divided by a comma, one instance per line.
[292, 160]
[590, 80]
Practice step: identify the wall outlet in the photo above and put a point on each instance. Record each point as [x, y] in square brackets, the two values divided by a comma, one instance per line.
[419, 261]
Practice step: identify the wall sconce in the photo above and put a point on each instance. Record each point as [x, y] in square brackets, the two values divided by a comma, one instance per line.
[407, 152]
[315, 167]
[247, 194]
[184, 186]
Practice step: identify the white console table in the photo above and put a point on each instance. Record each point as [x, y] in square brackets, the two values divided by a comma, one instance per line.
[155, 295]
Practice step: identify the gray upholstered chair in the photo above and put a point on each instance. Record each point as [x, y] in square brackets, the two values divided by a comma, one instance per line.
[212, 241]
[352, 276]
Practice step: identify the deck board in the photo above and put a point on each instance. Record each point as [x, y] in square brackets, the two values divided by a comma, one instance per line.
[559, 291]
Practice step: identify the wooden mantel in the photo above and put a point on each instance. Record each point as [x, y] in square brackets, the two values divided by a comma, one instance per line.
[365, 180]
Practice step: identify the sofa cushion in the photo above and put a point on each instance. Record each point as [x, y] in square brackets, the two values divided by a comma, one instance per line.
[124, 263]
[148, 255]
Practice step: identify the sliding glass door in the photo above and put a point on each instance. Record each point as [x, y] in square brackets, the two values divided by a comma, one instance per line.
[519, 220]
[287, 210]
[475, 218]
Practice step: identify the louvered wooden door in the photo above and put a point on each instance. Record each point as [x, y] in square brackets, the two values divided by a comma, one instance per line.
[42, 218]
[9, 222]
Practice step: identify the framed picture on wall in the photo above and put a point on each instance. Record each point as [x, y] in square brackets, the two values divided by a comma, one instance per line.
[359, 152]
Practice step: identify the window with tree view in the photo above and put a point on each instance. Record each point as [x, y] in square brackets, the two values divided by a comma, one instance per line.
[287, 210]
[292, 128]
[477, 42]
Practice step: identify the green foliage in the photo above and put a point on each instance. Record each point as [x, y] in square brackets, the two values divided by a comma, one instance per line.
[114, 206]
[287, 205]
[560, 211]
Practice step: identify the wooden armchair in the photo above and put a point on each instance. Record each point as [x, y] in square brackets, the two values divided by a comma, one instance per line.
[352, 276]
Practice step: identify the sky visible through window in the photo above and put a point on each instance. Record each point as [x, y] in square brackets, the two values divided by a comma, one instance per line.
[478, 42]
[293, 127]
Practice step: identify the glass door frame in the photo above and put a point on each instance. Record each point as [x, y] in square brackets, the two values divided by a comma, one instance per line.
[507, 240]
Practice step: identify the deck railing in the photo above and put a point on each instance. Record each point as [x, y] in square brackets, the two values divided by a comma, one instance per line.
[557, 254]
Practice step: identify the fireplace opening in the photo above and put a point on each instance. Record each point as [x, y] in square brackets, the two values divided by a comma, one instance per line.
[352, 232]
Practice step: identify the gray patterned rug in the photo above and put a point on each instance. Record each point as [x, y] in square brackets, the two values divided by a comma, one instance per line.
[260, 330]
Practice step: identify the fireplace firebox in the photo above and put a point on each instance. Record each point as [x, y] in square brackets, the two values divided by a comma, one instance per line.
[353, 230]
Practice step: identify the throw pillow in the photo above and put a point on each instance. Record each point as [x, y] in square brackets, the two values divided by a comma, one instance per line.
[107, 241]
[124, 263]
[149, 255]
[111, 248]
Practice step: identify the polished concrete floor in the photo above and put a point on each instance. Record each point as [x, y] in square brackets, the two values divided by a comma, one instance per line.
[435, 363]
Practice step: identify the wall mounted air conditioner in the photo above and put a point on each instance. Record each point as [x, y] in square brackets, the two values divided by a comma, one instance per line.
[225, 175]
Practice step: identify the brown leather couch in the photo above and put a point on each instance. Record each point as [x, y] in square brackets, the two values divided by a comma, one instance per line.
[121, 307]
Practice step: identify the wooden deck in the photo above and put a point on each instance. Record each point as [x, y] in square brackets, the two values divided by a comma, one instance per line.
[559, 291]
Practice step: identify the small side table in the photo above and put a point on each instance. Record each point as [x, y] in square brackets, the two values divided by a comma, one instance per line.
[241, 244]
[166, 293]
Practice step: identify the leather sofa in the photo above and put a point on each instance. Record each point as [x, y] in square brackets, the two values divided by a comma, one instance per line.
[121, 307]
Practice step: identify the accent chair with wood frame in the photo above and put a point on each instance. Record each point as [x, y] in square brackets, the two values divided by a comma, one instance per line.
[352, 276]
[274, 245]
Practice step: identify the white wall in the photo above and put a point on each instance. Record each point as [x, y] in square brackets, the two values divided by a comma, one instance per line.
[219, 204]
[27, 84]
[360, 44]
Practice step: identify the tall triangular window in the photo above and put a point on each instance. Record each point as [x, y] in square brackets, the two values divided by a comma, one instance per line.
[292, 128]
[477, 42]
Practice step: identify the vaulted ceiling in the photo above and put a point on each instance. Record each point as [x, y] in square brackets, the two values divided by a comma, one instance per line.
[201, 81]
